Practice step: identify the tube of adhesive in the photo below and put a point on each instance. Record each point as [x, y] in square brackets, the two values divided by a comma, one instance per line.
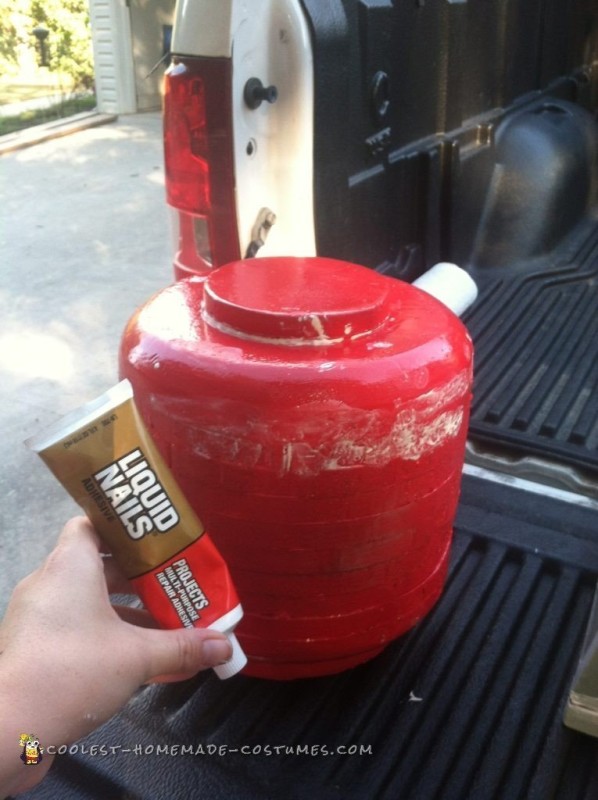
[105, 458]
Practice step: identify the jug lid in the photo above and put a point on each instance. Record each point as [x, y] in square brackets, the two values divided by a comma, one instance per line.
[317, 301]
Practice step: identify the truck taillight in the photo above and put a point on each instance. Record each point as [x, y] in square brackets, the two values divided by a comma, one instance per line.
[198, 155]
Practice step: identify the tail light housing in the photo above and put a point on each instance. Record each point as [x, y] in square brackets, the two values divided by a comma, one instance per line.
[199, 163]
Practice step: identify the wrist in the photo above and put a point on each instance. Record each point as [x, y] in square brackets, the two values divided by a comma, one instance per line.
[24, 731]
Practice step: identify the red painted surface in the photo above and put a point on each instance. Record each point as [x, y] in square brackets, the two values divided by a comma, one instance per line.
[315, 414]
[199, 163]
[207, 569]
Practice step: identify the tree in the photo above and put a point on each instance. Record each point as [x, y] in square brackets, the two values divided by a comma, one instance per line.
[9, 37]
[68, 45]
[69, 40]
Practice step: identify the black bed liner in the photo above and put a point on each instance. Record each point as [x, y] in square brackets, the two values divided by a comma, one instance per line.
[467, 706]
[536, 348]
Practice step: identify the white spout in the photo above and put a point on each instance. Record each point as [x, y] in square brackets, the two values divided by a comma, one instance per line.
[450, 284]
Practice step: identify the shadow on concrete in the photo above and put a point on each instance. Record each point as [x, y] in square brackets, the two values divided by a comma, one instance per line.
[85, 241]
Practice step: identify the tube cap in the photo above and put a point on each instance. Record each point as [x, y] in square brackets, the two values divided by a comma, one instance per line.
[450, 284]
[236, 663]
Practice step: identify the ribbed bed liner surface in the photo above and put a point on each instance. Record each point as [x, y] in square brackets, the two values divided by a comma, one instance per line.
[466, 706]
[536, 359]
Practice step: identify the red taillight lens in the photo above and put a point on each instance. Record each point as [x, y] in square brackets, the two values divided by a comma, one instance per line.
[185, 141]
[198, 154]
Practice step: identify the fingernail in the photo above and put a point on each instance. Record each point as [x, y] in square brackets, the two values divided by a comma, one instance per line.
[216, 651]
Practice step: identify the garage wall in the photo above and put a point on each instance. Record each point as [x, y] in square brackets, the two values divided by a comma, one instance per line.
[113, 56]
[147, 28]
[128, 40]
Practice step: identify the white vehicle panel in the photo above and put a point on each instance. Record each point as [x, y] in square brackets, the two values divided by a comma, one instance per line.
[273, 144]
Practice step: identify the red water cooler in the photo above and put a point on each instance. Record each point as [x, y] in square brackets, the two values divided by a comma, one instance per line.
[315, 414]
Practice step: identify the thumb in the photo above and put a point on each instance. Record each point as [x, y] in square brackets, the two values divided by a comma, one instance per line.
[179, 654]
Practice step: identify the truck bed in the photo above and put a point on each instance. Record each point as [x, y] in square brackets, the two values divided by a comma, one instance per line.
[467, 705]
[486, 156]
[536, 346]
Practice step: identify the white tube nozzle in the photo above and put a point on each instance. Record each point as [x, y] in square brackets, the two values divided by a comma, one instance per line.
[450, 284]
[236, 663]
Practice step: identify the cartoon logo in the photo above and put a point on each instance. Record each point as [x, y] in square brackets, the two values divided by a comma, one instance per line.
[32, 752]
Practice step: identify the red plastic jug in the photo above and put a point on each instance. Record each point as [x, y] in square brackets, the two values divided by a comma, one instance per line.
[315, 414]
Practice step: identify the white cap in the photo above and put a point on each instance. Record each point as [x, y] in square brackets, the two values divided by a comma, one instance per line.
[450, 284]
[236, 663]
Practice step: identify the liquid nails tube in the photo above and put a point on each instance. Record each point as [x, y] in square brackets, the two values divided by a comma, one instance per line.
[105, 458]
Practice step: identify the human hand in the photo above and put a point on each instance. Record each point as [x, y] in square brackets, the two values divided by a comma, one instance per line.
[70, 660]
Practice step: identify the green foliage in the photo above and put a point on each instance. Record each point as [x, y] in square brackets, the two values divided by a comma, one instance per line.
[51, 113]
[69, 41]
[68, 45]
[9, 37]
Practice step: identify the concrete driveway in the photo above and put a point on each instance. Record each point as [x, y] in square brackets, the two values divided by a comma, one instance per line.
[85, 240]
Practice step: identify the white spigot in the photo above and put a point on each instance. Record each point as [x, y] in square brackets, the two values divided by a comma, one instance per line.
[450, 284]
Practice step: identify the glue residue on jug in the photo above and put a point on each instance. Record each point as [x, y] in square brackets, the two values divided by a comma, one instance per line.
[317, 416]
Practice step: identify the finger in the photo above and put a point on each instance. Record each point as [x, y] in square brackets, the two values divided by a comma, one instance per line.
[179, 676]
[116, 581]
[76, 552]
[80, 532]
[183, 651]
[135, 616]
